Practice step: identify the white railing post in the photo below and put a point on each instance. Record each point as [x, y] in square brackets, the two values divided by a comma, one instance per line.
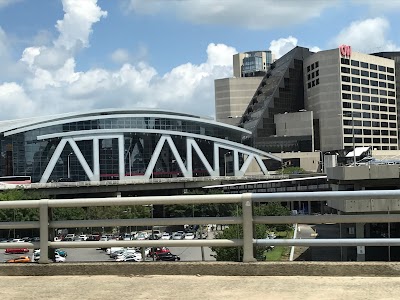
[44, 231]
[247, 213]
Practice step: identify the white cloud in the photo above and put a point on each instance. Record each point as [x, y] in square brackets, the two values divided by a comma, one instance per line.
[51, 83]
[253, 14]
[4, 3]
[120, 56]
[368, 36]
[282, 46]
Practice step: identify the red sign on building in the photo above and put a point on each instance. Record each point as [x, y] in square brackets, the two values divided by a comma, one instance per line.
[345, 50]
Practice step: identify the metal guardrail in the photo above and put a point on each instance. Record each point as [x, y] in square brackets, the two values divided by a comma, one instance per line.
[247, 220]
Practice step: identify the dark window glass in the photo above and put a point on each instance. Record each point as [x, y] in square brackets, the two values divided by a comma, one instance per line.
[365, 98]
[308, 77]
[392, 109]
[393, 133]
[355, 63]
[346, 87]
[366, 106]
[375, 99]
[375, 124]
[384, 132]
[384, 124]
[317, 73]
[345, 70]
[390, 78]
[373, 75]
[348, 140]
[373, 67]
[376, 108]
[308, 68]
[383, 100]
[391, 94]
[392, 125]
[355, 88]
[390, 70]
[365, 81]
[355, 80]
[377, 140]
[385, 140]
[356, 105]
[365, 90]
[346, 96]
[384, 116]
[376, 132]
[355, 72]
[374, 83]
[393, 141]
[364, 65]
[317, 81]
[390, 85]
[312, 75]
[367, 131]
[346, 105]
[375, 116]
[345, 78]
[367, 124]
[392, 117]
[365, 73]
[383, 108]
[367, 140]
[383, 84]
[391, 101]
[383, 92]
[374, 91]
[347, 131]
[309, 85]
[312, 66]
[382, 68]
[382, 76]
[366, 115]
[356, 97]
[345, 61]
[317, 64]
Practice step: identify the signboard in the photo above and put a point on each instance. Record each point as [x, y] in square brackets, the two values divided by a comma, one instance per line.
[360, 249]
[345, 50]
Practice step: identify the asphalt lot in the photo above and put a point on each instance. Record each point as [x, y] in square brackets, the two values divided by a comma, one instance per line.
[91, 254]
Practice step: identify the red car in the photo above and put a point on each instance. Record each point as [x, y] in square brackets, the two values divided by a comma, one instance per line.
[16, 250]
[159, 250]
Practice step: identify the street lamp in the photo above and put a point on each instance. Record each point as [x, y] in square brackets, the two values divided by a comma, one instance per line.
[69, 172]
[225, 159]
[354, 139]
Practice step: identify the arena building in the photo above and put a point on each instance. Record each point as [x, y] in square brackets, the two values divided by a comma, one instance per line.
[124, 144]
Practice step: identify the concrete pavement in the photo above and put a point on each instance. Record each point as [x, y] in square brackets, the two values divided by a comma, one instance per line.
[198, 287]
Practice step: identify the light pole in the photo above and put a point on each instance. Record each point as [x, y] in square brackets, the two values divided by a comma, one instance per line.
[225, 160]
[69, 172]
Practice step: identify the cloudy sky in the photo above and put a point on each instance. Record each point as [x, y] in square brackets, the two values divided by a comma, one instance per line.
[75, 55]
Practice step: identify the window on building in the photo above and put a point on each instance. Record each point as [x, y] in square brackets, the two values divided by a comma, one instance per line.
[367, 124]
[376, 140]
[374, 91]
[373, 75]
[345, 61]
[365, 81]
[308, 77]
[356, 97]
[373, 67]
[382, 68]
[312, 74]
[355, 88]
[384, 124]
[348, 140]
[390, 78]
[365, 73]
[392, 125]
[392, 109]
[346, 87]
[393, 141]
[383, 108]
[366, 106]
[390, 70]
[384, 116]
[384, 132]
[383, 92]
[355, 71]
[375, 99]
[317, 73]
[365, 90]
[346, 104]
[308, 68]
[385, 140]
[364, 65]
[365, 98]
[392, 117]
[375, 124]
[391, 101]
[367, 131]
[390, 85]
[317, 81]
[376, 108]
[375, 116]
[367, 140]
[392, 133]
[383, 100]
[345, 70]
[356, 105]
[312, 66]
[391, 94]
[317, 64]
[382, 76]
[374, 83]
[355, 80]
[346, 96]
[382, 84]
[345, 78]
[366, 115]
[309, 85]
[355, 63]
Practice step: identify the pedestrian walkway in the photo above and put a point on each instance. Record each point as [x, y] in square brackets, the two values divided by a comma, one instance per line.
[198, 287]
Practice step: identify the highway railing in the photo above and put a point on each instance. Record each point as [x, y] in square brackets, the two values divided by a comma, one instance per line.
[247, 220]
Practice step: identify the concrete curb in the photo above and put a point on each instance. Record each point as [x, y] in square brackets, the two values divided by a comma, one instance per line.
[360, 269]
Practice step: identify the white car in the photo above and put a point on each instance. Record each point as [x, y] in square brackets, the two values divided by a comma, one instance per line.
[59, 258]
[178, 236]
[83, 237]
[129, 257]
[189, 236]
[166, 236]
[142, 236]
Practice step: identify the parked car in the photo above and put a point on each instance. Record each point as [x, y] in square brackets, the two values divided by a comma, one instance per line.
[166, 236]
[83, 237]
[178, 236]
[158, 250]
[189, 236]
[93, 237]
[167, 256]
[60, 252]
[16, 250]
[58, 258]
[142, 236]
[156, 233]
[21, 259]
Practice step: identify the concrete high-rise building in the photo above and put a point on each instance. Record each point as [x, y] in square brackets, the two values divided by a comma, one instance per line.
[232, 95]
[252, 63]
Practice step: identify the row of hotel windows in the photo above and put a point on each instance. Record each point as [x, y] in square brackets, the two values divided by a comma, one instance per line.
[366, 98]
[369, 132]
[367, 74]
[358, 89]
[313, 83]
[369, 123]
[372, 91]
[312, 66]
[349, 140]
[367, 115]
[368, 107]
[355, 63]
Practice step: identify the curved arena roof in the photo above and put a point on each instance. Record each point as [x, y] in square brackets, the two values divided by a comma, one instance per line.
[11, 127]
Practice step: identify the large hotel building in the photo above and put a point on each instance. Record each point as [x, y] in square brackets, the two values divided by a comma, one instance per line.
[332, 100]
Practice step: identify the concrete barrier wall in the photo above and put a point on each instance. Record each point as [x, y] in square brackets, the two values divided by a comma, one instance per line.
[364, 269]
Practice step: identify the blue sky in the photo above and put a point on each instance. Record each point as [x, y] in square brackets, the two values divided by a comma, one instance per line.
[73, 55]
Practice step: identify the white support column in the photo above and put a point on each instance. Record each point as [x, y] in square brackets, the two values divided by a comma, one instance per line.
[81, 159]
[154, 157]
[121, 158]
[235, 161]
[201, 156]
[245, 165]
[261, 164]
[216, 159]
[53, 161]
[96, 160]
[178, 157]
[189, 158]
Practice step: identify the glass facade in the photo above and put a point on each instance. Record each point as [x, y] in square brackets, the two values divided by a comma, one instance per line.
[22, 154]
